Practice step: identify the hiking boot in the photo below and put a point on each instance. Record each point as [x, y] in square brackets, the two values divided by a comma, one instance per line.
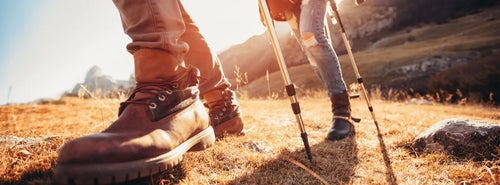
[224, 112]
[158, 123]
[342, 125]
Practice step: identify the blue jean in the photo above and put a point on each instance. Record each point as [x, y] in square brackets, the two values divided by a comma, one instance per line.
[308, 26]
[165, 25]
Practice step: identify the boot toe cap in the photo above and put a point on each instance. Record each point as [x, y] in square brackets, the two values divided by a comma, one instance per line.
[112, 147]
[340, 129]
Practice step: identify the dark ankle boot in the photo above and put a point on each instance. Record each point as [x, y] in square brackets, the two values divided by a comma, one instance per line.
[341, 123]
[163, 119]
[224, 112]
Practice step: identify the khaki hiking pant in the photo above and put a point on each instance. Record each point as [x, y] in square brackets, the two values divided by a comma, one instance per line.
[165, 25]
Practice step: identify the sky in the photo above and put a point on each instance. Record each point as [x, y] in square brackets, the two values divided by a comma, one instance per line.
[47, 47]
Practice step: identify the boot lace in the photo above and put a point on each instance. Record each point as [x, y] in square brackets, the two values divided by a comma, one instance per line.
[152, 88]
[223, 109]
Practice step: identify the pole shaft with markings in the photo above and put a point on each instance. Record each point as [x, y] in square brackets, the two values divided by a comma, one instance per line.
[290, 89]
[353, 62]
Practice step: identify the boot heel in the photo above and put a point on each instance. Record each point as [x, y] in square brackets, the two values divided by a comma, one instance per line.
[207, 139]
[234, 126]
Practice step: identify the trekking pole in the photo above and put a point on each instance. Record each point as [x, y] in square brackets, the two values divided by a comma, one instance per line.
[290, 89]
[351, 57]
[390, 177]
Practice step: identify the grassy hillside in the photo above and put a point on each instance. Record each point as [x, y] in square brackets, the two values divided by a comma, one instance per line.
[409, 58]
[271, 151]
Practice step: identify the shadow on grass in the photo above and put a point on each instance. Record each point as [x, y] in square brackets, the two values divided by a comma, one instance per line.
[45, 177]
[34, 176]
[334, 161]
[389, 174]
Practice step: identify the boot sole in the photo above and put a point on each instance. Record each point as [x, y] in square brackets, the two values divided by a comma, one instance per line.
[340, 137]
[111, 173]
[351, 133]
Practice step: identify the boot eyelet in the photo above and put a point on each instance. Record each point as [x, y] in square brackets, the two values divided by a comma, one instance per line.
[223, 109]
[168, 91]
[152, 106]
[162, 97]
[175, 85]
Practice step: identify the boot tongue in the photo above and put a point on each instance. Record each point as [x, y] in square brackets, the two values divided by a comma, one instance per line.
[142, 95]
[146, 90]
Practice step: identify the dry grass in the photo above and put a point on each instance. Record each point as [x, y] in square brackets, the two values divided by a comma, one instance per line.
[264, 155]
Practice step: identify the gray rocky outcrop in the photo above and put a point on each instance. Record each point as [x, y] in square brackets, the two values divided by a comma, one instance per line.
[100, 85]
[471, 139]
[433, 64]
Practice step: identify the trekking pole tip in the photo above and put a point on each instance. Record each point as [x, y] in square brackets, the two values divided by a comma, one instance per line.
[306, 145]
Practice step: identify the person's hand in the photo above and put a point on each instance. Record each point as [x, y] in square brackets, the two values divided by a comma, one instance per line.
[280, 6]
[278, 9]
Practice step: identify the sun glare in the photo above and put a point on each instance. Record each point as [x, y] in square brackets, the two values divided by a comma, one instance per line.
[227, 26]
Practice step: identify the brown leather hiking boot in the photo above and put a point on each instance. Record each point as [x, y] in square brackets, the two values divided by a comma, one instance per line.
[342, 125]
[224, 112]
[158, 123]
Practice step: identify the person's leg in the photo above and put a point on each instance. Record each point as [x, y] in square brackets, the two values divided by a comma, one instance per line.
[315, 42]
[161, 120]
[294, 22]
[201, 56]
[314, 39]
[224, 111]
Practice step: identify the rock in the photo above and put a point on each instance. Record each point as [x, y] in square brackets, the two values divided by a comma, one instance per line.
[418, 101]
[433, 64]
[24, 153]
[18, 142]
[52, 139]
[93, 73]
[465, 138]
[101, 85]
[255, 146]
[25, 142]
